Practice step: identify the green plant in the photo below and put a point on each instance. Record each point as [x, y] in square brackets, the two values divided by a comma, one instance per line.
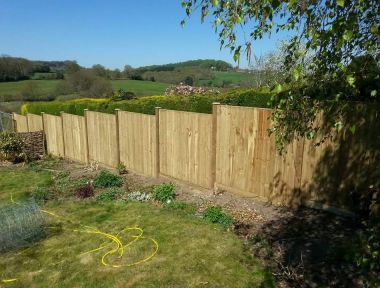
[11, 147]
[164, 192]
[368, 254]
[139, 196]
[109, 195]
[121, 168]
[40, 194]
[105, 179]
[215, 214]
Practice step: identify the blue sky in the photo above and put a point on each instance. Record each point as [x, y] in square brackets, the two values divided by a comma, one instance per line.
[112, 33]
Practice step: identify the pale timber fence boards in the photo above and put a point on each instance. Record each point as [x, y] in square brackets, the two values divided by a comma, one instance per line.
[229, 149]
[185, 146]
[54, 135]
[102, 138]
[137, 142]
[75, 137]
[21, 123]
[246, 158]
[34, 123]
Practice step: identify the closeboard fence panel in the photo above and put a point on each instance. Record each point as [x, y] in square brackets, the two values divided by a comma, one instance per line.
[34, 122]
[246, 158]
[21, 122]
[54, 135]
[102, 138]
[185, 143]
[75, 137]
[137, 142]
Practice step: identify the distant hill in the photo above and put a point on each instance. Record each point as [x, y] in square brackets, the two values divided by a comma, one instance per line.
[216, 65]
[16, 68]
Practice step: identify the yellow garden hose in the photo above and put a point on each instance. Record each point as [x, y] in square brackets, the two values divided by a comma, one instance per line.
[119, 246]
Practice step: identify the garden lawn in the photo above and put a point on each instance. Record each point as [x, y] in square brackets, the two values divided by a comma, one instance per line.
[192, 252]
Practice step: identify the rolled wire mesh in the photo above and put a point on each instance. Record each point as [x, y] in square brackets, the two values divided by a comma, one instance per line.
[20, 225]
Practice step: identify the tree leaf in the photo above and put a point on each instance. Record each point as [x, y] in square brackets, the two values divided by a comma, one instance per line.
[340, 3]
[183, 23]
[297, 72]
[214, 3]
[350, 80]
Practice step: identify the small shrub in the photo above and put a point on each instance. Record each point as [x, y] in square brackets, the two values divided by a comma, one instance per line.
[40, 194]
[215, 214]
[139, 196]
[109, 195]
[121, 168]
[11, 147]
[105, 179]
[85, 191]
[164, 192]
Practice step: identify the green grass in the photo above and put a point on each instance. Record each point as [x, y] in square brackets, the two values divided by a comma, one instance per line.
[140, 88]
[230, 78]
[21, 181]
[14, 88]
[192, 252]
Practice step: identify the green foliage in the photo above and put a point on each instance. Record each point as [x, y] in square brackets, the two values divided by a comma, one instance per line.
[121, 168]
[215, 214]
[139, 196]
[368, 254]
[11, 147]
[164, 193]
[24, 225]
[109, 195]
[41, 194]
[105, 179]
[335, 50]
[147, 105]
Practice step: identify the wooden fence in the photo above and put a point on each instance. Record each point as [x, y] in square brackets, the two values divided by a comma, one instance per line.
[229, 149]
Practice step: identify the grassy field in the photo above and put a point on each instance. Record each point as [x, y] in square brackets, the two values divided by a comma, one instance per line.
[230, 78]
[140, 88]
[191, 253]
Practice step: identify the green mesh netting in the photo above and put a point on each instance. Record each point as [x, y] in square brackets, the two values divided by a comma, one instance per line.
[20, 225]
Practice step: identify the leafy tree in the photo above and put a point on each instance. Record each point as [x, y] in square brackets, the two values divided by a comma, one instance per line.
[327, 37]
[71, 67]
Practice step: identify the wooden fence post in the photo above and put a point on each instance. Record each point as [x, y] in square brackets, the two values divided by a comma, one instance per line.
[215, 106]
[117, 111]
[63, 135]
[157, 114]
[14, 122]
[43, 130]
[27, 121]
[87, 144]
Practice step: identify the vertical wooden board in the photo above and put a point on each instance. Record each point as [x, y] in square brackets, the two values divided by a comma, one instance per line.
[74, 133]
[21, 122]
[54, 135]
[186, 146]
[34, 122]
[137, 138]
[102, 138]
[246, 159]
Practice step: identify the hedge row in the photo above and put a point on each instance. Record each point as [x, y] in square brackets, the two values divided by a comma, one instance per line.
[146, 105]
